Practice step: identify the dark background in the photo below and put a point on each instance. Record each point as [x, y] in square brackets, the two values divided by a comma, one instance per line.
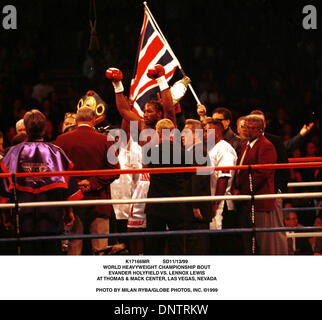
[239, 54]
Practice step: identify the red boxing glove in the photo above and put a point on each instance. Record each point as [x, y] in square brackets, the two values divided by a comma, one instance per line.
[157, 72]
[114, 74]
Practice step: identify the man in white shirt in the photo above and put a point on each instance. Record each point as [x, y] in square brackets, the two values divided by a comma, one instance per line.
[42, 89]
[222, 154]
[135, 186]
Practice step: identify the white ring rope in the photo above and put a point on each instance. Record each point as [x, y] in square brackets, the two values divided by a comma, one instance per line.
[303, 234]
[304, 184]
[161, 200]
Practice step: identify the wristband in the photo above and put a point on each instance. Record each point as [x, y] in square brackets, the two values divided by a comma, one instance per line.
[118, 87]
[163, 83]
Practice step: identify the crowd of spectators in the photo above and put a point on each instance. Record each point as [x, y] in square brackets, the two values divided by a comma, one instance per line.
[268, 62]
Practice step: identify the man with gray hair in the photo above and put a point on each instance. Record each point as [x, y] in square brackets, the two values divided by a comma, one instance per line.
[257, 150]
[88, 150]
[20, 127]
[164, 124]
[282, 176]
[163, 216]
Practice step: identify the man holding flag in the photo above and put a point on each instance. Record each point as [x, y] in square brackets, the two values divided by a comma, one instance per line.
[154, 68]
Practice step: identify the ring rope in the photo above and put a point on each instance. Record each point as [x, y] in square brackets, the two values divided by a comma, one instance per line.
[166, 200]
[199, 169]
[304, 184]
[147, 234]
[308, 159]
[252, 203]
[161, 200]
[303, 234]
[302, 209]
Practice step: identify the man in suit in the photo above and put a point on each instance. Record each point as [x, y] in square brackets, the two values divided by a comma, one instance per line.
[163, 216]
[89, 150]
[282, 176]
[199, 214]
[257, 150]
[281, 180]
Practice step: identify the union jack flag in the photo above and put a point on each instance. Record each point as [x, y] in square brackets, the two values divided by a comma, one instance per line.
[152, 50]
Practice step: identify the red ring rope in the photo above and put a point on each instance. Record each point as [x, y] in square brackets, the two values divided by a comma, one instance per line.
[163, 170]
[308, 159]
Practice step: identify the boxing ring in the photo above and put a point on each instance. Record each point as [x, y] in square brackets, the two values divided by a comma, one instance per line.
[294, 163]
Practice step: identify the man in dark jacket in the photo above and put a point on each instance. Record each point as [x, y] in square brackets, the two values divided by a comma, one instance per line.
[200, 214]
[165, 216]
[224, 115]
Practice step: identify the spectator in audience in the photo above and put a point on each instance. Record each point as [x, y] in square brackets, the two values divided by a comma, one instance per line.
[21, 134]
[296, 172]
[312, 151]
[20, 127]
[296, 246]
[280, 119]
[297, 141]
[287, 132]
[42, 89]
[316, 242]
[241, 127]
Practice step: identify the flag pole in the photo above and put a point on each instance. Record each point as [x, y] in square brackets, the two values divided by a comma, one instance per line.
[172, 53]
